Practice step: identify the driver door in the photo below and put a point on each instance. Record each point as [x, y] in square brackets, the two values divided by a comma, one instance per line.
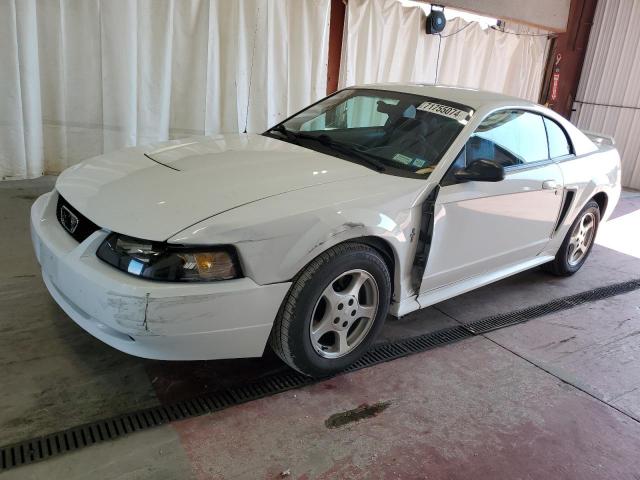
[481, 227]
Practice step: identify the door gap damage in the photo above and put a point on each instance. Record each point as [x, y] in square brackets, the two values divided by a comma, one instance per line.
[424, 240]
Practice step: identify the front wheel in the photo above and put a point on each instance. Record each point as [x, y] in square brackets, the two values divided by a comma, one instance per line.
[578, 243]
[333, 311]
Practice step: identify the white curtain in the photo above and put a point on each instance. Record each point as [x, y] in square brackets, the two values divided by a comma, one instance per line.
[385, 41]
[81, 77]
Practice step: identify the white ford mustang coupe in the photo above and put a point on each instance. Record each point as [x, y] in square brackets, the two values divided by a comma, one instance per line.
[376, 200]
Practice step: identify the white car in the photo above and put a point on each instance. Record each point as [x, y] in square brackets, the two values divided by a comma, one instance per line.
[377, 199]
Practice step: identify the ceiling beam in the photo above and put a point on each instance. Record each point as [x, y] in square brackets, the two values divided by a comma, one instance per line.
[550, 15]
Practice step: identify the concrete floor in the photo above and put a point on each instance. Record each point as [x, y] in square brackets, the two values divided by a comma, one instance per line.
[557, 397]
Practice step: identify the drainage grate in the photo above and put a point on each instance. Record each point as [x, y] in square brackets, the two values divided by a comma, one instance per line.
[385, 352]
[82, 436]
[506, 319]
[41, 448]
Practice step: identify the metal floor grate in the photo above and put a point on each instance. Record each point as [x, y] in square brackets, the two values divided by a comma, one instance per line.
[506, 319]
[42, 448]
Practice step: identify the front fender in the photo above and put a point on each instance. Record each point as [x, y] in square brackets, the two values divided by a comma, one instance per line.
[278, 236]
[396, 232]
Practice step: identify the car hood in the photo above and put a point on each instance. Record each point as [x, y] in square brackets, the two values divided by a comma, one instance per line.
[155, 191]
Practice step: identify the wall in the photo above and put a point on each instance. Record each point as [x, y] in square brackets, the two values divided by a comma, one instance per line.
[566, 58]
[608, 97]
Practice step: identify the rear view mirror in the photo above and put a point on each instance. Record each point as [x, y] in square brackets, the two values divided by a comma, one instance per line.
[481, 171]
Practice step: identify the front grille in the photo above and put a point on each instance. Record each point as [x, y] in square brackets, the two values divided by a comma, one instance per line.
[76, 224]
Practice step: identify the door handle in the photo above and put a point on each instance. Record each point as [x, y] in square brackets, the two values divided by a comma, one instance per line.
[549, 185]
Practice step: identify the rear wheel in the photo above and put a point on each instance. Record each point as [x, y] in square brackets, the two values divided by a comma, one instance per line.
[333, 311]
[578, 243]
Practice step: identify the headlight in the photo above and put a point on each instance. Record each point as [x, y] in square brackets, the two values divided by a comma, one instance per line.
[172, 263]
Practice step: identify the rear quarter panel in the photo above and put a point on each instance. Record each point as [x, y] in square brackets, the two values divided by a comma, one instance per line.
[588, 175]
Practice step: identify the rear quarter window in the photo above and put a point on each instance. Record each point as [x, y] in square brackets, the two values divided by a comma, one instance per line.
[559, 144]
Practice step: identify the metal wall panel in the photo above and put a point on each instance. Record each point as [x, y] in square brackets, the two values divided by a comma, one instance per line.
[608, 98]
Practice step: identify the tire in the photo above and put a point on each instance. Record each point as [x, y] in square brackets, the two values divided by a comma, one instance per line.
[323, 298]
[565, 263]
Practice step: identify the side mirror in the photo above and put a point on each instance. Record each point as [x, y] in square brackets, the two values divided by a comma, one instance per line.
[481, 171]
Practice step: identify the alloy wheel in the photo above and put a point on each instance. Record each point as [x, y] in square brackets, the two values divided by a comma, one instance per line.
[581, 238]
[344, 313]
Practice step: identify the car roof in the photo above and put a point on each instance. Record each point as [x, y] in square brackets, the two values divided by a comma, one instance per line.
[471, 97]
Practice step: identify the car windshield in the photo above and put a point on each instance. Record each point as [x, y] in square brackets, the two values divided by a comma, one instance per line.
[392, 132]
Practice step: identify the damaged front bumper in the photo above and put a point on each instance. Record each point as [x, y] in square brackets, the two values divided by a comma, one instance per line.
[168, 321]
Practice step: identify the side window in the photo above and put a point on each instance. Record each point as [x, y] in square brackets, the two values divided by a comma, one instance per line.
[459, 163]
[559, 144]
[509, 137]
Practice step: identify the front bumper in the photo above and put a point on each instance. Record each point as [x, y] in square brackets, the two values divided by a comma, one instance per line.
[168, 321]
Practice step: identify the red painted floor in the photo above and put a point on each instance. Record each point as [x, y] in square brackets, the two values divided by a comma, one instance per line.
[470, 410]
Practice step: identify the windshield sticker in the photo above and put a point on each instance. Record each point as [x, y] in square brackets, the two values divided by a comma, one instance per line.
[402, 159]
[444, 110]
[418, 162]
[425, 170]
